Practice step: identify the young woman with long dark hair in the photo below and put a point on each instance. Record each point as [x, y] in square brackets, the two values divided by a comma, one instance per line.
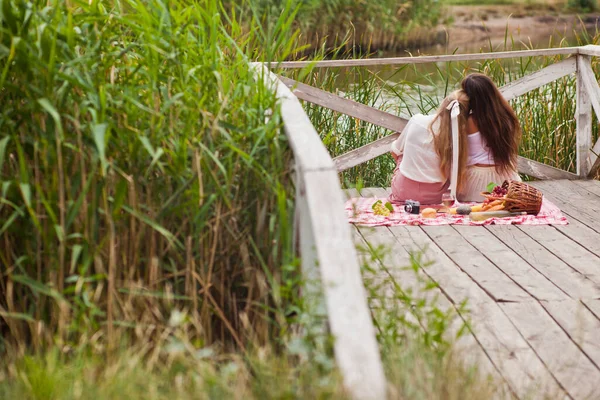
[477, 121]
[494, 134]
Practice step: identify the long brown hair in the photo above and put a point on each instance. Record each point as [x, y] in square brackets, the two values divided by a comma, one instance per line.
[442, 134]
[496, 120]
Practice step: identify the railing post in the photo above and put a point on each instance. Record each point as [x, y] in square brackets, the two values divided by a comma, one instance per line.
[583, 115]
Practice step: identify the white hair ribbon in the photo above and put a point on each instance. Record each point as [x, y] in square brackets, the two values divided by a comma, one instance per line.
[454, 108]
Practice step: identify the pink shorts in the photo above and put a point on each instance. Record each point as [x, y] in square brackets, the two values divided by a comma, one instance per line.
[404, 189]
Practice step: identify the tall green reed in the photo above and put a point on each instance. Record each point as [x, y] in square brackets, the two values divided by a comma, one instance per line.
[139, 174]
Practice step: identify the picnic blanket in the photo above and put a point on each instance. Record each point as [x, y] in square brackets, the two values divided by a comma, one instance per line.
[359, 212]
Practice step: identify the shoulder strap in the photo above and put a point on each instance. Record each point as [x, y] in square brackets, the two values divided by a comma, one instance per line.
[454, 108]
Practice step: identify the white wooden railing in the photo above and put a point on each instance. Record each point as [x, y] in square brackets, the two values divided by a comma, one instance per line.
[326, 246]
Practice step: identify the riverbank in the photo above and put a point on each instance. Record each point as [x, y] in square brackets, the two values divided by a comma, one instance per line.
[471, 28]
[477, 27]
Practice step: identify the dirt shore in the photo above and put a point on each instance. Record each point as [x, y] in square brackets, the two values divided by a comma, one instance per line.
[474, 27]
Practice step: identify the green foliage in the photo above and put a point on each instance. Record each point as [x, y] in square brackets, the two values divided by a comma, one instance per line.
[138, 172]
[583, 5]
[361, 24]
[183, 375]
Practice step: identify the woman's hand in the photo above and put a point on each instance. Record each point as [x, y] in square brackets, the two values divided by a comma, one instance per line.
[394, 156]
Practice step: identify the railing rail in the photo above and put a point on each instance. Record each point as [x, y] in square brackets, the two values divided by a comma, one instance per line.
[326, 246]
[327, 250]
[369, 62]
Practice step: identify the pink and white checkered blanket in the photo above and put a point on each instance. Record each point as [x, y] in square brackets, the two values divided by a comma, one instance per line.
[359, 212]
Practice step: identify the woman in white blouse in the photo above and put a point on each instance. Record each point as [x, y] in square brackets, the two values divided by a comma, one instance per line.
[427, 166]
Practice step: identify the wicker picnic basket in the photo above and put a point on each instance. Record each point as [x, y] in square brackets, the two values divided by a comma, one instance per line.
[521, 197]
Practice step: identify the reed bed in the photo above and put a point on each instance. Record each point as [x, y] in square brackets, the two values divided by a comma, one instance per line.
[140, 175]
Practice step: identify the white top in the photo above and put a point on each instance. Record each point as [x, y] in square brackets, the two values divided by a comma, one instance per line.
[479, 153]
[420, 161]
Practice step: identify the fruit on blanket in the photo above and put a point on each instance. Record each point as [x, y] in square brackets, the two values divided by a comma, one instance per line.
[429, 213]
[464, 210]
[476, 208]
[452, 211]
[382, 209]
[499, 191]
[492, 204]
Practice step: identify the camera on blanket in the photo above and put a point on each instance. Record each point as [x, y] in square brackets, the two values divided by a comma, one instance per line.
[412, 206]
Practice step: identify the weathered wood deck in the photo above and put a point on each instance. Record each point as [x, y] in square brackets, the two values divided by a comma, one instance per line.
[533, 291]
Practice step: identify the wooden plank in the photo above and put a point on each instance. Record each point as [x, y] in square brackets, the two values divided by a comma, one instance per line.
[538, 170]
[394, 261]
[364, 153]
[572, 253]
[454, 282]
[356, 349]
[457, 287]
[501, 342]
[590, 50]
[504, 257]
[351, 193]
[345, 106]
[592, 186]
[586, 73]
[593, 306]
[507, 349]
[578, 231]
[573, 199]
[497, 284]
[583, 115]
[568, 364]
[580, 324]
[425, 59]
[309, 151]
[576, 285]
[581, 234]
[385, 273]
[539, 78]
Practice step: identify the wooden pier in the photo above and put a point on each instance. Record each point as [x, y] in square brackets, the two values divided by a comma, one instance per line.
[533, 291]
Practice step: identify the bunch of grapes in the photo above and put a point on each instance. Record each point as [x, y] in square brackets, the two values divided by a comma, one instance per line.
[382, 209]
[499, 191]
